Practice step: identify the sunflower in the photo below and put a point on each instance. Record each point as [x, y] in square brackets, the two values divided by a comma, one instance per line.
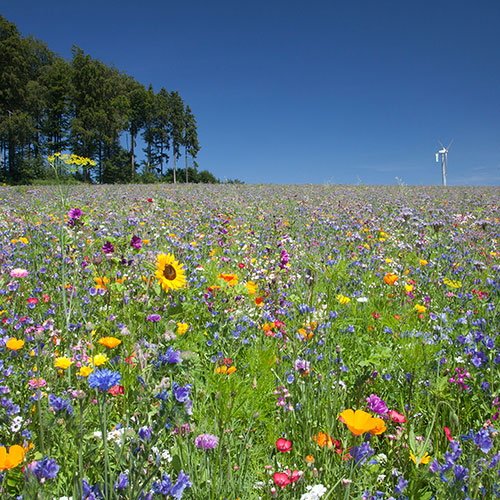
[169, 272]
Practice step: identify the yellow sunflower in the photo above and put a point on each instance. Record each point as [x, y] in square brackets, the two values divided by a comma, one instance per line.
[169, 272]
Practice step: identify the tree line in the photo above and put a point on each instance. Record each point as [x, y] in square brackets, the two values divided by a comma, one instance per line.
[50, 105]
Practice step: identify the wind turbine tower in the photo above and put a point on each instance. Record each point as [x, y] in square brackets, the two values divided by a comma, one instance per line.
[442, 155]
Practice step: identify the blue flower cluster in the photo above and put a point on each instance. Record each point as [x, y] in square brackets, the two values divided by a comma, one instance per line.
[59, 405]
[103, 379]
[167, 488]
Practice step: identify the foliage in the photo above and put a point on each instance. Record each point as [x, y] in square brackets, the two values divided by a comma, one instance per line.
[289, 342]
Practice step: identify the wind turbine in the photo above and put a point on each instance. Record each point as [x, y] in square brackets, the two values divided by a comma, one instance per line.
[442, 155]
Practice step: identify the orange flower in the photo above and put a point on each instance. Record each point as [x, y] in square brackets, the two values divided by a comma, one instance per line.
[225, 370]
[322, 439]
[230, 279]
[359, 422]
[109, 342]
[14, 344]
[390, 279]
[101, 282]
[12, 458]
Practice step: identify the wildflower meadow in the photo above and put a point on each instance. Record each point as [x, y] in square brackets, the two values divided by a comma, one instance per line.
[245, 342]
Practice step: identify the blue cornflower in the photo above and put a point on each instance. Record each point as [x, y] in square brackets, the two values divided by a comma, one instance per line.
[90, 492]
[104, 379]
[58, 404]
[163, 486]
[46, 468]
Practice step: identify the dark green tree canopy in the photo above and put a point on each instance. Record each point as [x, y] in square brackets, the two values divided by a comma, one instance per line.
[83, 106]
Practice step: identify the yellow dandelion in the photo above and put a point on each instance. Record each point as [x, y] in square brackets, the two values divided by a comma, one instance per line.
[169, 272]
[182, 328]
[63, 362]
[99, 359]
[85, 371]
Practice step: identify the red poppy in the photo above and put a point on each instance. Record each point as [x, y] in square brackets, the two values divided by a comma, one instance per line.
[283, 479]
[283, 445]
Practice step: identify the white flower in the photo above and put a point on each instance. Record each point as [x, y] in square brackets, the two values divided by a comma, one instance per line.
[362, 299]
[16, 424]
[314, 492]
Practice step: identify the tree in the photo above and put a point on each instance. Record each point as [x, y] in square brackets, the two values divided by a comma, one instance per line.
[190, 138]
[177, 128]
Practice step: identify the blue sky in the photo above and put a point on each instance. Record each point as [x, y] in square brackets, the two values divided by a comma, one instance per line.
[307, 92]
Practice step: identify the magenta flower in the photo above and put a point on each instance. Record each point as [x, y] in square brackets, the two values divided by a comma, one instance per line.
[136, 242]
[206, 441]
[376, 404]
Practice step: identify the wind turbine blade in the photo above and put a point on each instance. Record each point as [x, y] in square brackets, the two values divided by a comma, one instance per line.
[449, 145]
[441, 144]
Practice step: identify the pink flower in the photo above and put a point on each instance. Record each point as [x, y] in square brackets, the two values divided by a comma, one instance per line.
[283, 479]
[396, 417]
[447, 433]
[283, 445]
[19, 273]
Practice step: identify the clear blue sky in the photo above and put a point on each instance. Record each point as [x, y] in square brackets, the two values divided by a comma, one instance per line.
[310, 91]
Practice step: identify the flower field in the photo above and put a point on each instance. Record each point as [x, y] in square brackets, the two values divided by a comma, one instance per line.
[243, 342]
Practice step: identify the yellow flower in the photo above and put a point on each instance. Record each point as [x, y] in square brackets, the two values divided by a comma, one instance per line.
[420, 308]
[359, 422]
[85, 371]
[169, 272]
[99, 359]
[408, 288]
[63, 362]
[109, 342]
[342, 299]
[251, 288]
[14, 344]
[12, 458]
[423, 460]
[452, 283]
[423, 262]
[182, 328]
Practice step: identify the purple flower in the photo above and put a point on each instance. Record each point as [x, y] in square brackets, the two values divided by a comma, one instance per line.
[301, 365]
[44, 469]
[483, 440]
[136, 242]
[181, 393]
[145, 433]
[122, 482]
[376, 404]
[362, 452]
[108, 248]
[401, 486]
[165, 486]
[182, 483]
[206, 441]
[59, 405]
[75, 213]
[104, 379]
[154, 318]
[171, 357]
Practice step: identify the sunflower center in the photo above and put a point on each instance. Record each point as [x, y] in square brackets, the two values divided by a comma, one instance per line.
[169, 272]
